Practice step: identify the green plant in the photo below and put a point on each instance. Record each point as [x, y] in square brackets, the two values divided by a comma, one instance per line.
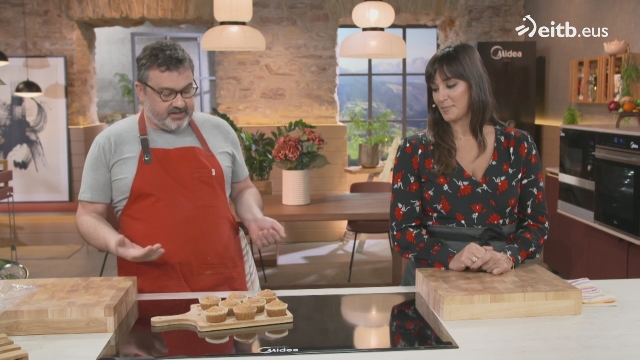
[257, 149]
[373, 131]
[629, 74]
[571, 116]
[126, 87]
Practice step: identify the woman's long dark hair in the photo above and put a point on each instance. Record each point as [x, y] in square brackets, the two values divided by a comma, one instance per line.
[461, 62]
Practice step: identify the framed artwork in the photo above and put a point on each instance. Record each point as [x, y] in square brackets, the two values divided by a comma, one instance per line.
[34, 132]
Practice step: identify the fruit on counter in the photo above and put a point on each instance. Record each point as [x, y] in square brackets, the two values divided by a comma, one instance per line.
[637, 102]
[613, 106]
[625, 100]
[628, 107]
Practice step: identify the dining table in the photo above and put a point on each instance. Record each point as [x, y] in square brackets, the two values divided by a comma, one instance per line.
[333, 207]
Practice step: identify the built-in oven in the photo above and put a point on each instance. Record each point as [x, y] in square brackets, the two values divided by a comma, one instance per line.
[618, 182]
[577, 165]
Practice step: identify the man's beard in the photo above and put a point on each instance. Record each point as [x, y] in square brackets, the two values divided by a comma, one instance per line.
[164, 122]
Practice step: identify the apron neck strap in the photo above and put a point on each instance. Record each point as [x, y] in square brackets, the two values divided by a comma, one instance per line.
[144, 138]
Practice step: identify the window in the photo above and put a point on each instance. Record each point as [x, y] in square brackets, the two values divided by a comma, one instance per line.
[378, 85]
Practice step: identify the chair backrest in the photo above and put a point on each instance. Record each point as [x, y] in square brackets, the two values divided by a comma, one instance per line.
[370, 187]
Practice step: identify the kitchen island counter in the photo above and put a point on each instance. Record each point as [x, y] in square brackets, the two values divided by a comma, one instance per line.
[600, 332]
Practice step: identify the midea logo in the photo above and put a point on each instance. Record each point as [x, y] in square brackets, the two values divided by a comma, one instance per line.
[498, 53]
[276, 349]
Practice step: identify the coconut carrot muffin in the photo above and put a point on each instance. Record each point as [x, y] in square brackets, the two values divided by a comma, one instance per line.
[257, 302]
[276, 308]
[246, 338]
[237, 296]
[267, 294]
[216, 314]
[245, 312]
[208, 301]
[217, 339]
[229, 304]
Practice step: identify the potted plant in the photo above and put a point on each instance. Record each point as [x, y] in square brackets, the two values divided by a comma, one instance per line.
[296, 153]
[571, 116]
[629, 74]
[257, 149]
[370, 134]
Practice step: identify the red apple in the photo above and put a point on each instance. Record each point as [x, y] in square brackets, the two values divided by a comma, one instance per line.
[613, 106]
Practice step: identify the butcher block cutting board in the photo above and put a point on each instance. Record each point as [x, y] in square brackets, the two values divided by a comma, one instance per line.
[70, 306]
[195, 317]
[530, 290]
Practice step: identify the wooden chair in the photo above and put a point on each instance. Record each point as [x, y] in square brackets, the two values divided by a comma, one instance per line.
[368, 227]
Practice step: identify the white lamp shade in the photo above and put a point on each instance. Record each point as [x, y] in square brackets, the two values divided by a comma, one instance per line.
[372, 312]
[55, 91]
[373, 45]
[233, 10]
[373, 14]
[372, 337]
[233, 38]
[3, 62]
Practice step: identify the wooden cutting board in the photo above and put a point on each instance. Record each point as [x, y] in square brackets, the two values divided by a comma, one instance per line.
[195, 317]
[529, 290]
[70, 306]
[11, 351]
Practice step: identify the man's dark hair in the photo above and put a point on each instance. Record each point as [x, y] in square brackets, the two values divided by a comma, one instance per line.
[163, 55]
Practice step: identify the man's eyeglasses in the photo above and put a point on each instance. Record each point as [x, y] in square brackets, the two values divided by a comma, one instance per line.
[168, 95]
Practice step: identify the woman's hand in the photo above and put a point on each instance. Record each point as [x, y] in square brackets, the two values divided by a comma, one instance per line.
[470, 255]
[494, 262]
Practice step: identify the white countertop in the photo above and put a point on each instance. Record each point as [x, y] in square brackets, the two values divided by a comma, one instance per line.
[599, 333]
[631, 129]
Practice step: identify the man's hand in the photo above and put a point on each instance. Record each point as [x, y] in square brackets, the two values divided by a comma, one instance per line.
[124, 248]
[265, 231]
[470, 255]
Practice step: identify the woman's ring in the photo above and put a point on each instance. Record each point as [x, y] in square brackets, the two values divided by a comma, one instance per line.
[474, 259]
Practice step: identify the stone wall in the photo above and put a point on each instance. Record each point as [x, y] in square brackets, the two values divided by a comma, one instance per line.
[294, 78]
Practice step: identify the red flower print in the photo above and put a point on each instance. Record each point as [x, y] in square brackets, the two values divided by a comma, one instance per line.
[524, 253]
[542, 219]
[393, 196]
[534, 159]
[435, 250]
[409, 149]
[493, 203]
[503, 185]
[512, 143]
[395, 161]
[505, 167]
[421, 147]
[398, 235]
[428, 163]
[523, 149]
[477, 208]
[397, 178]
[445, 205]
[399, 212]
[430, 147]
[539, 196]
[435, 222]
[414, 162]
[466, 174]
[465, 189]
[430, 211]
[494, 157]
[513, 202]
[414, 186]
[438, 265]
[494, 219]
[540, 177]
[528, 235]
[483, 180]
[411, 237]
[510, 130]
[459, 217]
[505, 143]
[442, 180]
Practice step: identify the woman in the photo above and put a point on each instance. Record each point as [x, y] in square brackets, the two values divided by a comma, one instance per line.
[468, 193]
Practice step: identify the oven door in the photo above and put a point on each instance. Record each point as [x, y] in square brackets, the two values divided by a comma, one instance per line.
[577, 153]
[618, 190]
[577, 196]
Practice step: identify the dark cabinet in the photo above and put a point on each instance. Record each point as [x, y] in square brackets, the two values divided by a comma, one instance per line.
[633, 261]
[607, 255]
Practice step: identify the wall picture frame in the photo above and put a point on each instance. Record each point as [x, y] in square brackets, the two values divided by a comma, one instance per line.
[34, 132]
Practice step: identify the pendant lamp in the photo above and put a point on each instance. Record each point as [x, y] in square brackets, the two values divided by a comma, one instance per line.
[27, 88]
[233, 33]
[373, 42]
[4, 60]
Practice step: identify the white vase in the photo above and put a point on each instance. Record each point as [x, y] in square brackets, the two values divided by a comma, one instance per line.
[295, 187]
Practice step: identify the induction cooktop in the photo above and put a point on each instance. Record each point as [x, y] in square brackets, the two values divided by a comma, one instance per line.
[322, 324]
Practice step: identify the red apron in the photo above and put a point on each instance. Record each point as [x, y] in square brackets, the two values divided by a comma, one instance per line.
[178, 199]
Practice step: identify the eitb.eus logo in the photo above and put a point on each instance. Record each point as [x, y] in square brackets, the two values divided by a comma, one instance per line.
[560, 30]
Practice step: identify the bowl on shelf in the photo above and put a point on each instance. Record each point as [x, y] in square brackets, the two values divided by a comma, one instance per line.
[615, 47]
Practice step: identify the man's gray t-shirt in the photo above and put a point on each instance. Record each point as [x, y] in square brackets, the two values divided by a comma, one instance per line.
[113, 158]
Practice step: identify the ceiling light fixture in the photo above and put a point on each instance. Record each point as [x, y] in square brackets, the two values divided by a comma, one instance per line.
[233, 33]
[27, 88]
[373, 42]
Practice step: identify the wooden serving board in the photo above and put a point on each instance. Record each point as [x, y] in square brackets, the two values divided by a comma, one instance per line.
[70, 306]
[529, 290]
[195, 317]
[11, 351]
